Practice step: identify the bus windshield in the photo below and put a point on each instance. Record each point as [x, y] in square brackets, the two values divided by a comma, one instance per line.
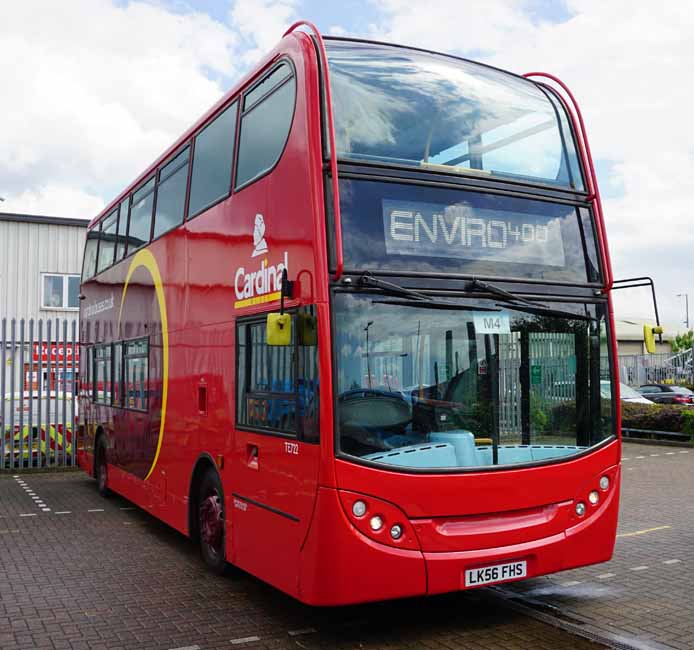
[480, 384]
[397, 106]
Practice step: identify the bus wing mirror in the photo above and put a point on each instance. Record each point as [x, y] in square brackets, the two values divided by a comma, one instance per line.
[306, 329]
[278, 330]
[649, 337]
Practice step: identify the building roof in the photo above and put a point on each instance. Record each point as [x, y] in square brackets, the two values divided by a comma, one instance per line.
[35, 218]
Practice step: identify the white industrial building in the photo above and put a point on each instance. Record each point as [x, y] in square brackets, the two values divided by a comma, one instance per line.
[40, 267]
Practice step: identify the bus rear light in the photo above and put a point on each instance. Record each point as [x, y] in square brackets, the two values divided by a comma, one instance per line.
[379, 520]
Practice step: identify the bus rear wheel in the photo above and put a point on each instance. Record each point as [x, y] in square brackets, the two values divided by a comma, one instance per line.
[211, 523]
[101, 469]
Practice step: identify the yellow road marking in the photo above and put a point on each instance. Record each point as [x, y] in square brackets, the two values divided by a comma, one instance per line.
[643, 532]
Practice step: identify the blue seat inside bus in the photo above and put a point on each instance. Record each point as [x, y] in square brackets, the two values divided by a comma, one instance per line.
[458, 449]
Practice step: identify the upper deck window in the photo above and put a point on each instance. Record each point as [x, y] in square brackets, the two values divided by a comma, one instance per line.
[171, 193]
[90, 250]
[141, 216]
[212, 160]
[108, 241]
[122, 228]
[397, 106]
[265, 124]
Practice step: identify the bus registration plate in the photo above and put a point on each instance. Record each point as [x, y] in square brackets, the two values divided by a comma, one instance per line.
[498, 573]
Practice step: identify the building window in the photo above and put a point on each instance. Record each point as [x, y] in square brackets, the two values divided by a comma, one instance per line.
[60, 291]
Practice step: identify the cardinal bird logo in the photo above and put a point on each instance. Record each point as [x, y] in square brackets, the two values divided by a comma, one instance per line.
[259, 243]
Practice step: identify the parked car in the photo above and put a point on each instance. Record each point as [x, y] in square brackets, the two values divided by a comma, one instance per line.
[626, 393]
[667, 394]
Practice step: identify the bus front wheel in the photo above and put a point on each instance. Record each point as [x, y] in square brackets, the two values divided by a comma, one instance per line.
[211, 522]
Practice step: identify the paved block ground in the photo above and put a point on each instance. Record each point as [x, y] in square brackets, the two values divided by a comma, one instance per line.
[78, 572]
[647, 590]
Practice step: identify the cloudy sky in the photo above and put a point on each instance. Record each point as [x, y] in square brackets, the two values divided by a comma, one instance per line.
[93, 90]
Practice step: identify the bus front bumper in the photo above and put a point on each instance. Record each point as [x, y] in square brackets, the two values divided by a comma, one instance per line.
[340, 565]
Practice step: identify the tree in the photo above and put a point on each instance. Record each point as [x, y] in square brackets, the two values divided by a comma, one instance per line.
[683, 342]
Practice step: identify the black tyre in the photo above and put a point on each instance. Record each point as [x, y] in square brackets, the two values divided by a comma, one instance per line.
[211, 523]
[101, 469]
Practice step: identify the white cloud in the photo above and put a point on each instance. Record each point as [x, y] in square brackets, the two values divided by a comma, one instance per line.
[628, 65]
[57, 200]
[262, 23]
[98, 89]
[95, 92]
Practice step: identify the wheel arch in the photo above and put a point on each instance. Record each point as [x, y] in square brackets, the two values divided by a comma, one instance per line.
[98, 437]
[202, 464]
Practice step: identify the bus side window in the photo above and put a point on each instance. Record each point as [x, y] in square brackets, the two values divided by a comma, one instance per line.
[308, 384]
[89, 374]
[277, 386]
[136, 367]
[266, 380]
[90, 253]
[108, 241]
[103, 373]
[141, 216]
[212, 161]
[171, 193]
[265, 126]
[117, 363]
[122, 228]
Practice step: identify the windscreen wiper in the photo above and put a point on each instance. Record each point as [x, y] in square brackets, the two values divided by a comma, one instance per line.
[434, 304]
[368, 280]
[541, 310]
[523, 304]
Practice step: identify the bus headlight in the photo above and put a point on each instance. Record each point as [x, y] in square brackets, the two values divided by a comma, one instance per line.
[376, 523]
[358, 508]
[396, 531]
[580, 508]
[594, 497]
[604, 482]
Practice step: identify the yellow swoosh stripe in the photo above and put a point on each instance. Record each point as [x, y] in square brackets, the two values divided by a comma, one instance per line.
[145, 258]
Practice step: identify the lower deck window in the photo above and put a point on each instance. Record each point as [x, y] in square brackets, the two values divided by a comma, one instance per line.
[277, 386]
[102, 373]
[136, 373]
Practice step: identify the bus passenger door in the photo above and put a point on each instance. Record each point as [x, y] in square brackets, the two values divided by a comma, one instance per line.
[276, 454]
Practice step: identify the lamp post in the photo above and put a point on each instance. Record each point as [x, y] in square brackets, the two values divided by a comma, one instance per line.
[686, 308]
[368, 362]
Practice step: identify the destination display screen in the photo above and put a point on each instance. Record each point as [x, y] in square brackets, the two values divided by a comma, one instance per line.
[420, 229]
[464, 231]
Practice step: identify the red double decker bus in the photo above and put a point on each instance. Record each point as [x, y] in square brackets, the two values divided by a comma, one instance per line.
[352, 332]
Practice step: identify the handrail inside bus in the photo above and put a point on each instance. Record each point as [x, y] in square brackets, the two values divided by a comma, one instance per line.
[337, 222]
[579, 127]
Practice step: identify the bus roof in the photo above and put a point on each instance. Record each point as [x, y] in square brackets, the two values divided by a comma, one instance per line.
[244, 81]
